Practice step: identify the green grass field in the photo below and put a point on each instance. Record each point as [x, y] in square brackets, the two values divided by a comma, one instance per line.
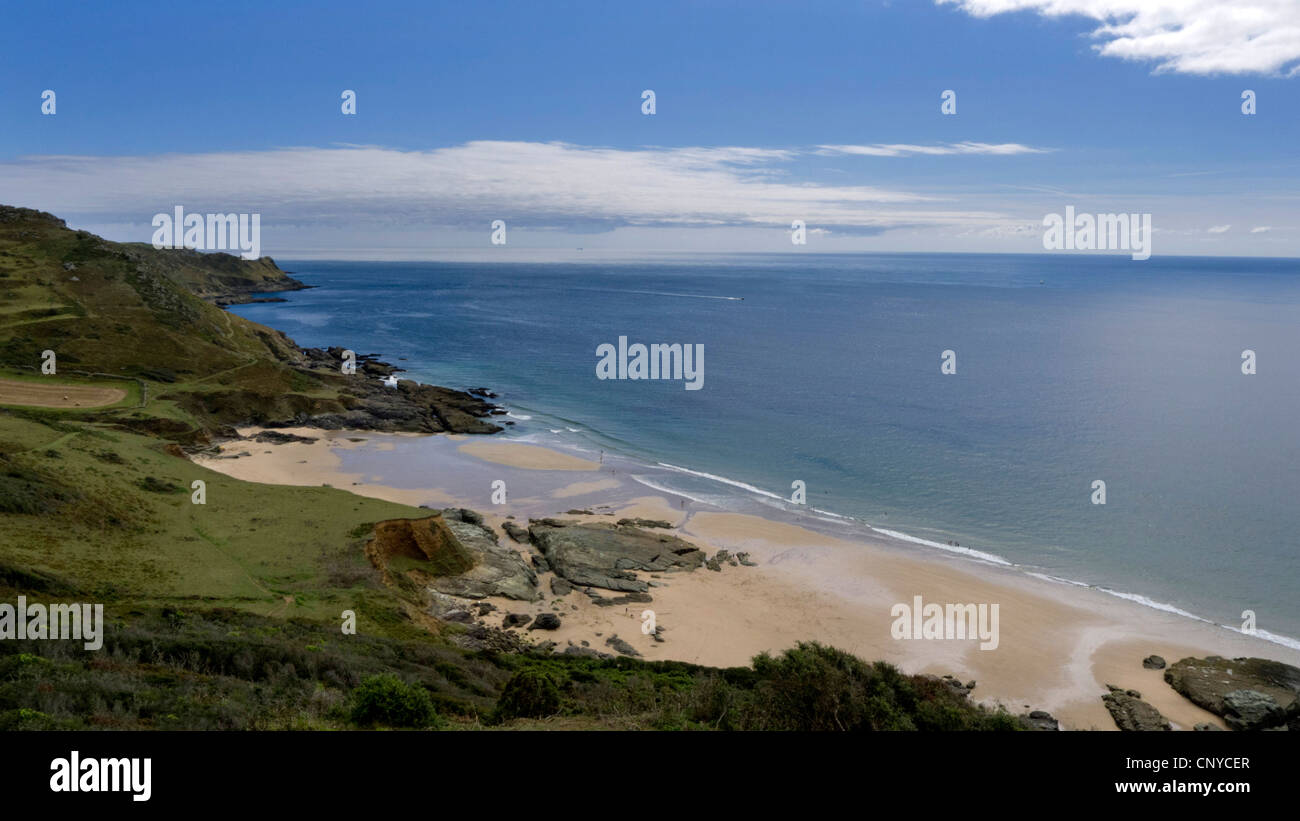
[128, 527]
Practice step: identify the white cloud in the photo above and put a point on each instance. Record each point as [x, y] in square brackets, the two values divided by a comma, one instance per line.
[538, 185]
[1218, 229]
[905, 150]
[1008, 230]
[1261, 229]
[1187, 36]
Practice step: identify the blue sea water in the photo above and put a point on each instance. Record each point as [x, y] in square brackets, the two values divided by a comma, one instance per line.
[826, 369]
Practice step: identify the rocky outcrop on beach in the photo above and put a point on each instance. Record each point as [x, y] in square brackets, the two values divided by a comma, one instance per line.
[1039, 720]
[454, 557]
[517, 532]
[609, 556]
[621, 647]
[1132, 714]
[275, 437]
[1247, 693]
[498, 569]
[365, 402]
[660, 523]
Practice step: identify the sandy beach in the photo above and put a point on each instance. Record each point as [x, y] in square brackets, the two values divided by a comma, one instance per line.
[1058, 646]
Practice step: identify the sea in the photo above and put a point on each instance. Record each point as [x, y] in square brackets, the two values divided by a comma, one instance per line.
[966, 403]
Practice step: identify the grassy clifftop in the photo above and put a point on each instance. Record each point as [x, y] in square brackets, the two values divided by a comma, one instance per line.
[221, 278]
[135, 311]
[122, 308]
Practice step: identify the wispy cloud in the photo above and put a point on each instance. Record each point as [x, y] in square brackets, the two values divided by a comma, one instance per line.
[1198, 173]
[1187, 36]
[540, 185]
[1218, 229]
[948, 149]
[1261, 229]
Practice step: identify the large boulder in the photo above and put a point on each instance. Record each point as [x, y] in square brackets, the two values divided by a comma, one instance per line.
[545, 621]
[1207, 681]
[607, 556]
[1132, 714]
[463, 514]
[517, 532]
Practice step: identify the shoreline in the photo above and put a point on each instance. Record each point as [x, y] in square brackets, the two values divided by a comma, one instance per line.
[1060, 643]
[825, 521]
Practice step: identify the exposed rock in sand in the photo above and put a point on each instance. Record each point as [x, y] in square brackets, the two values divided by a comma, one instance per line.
[545, 621]
[620, 646]
[275, 437]
[605, 556]
[517, 532]
[645, 523]
[1039, 720]
[559, 587]
[1132, 714]
[1208, 682]
[480, 637]
[515, 620]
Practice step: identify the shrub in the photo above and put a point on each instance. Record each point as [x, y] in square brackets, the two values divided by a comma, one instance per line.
[528, 694]
[155, 485]
[813, 687]
[387, 700]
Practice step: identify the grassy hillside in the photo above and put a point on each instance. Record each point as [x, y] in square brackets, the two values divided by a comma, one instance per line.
[132, 311]
[119, 309]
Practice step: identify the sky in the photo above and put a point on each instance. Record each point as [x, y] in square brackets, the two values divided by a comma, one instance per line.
[766, 112]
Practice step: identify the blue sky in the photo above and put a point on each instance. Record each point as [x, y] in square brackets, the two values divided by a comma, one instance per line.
[531, 113]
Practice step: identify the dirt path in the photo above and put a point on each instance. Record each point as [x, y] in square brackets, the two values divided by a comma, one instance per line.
[57, 395]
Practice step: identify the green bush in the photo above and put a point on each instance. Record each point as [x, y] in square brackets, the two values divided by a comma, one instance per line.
[387, 700]
[528, 694]
[813, 687]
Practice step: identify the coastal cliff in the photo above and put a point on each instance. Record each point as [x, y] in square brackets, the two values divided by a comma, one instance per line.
[153, 315]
